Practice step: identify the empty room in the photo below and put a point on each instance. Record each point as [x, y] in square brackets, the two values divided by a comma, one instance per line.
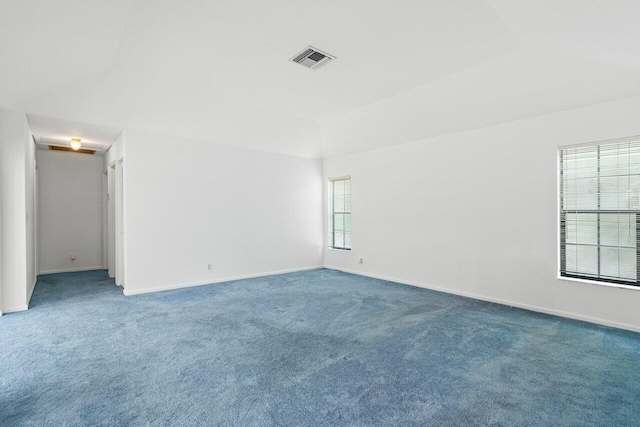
[319, 213]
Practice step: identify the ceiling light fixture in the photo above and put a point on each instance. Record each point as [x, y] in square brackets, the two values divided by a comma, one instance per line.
[75, 143]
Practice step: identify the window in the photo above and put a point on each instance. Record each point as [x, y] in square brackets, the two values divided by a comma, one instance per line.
[600, 212]
[340, 213]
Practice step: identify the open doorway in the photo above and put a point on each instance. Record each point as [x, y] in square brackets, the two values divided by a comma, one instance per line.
[69, 202]
[78, 183]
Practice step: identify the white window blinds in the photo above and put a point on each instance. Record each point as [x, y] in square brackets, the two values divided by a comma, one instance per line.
[340, 213]
[599, 212]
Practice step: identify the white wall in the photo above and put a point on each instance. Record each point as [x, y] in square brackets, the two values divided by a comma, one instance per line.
[116, 151]
[16, 211]
[475, 213]
[69, 211]
[1, 203]
[31, 212]
[189, 203]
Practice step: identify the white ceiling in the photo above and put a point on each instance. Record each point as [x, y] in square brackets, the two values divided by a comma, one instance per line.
[405, 70]
[55, 131]
[605, 31]
[46, 44]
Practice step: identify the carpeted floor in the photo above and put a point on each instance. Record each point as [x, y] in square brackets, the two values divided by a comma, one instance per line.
[316, 348]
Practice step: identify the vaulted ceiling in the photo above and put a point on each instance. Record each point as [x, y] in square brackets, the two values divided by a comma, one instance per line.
[405, 70]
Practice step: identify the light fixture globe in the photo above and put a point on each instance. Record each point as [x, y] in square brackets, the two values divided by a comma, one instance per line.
[75, 143]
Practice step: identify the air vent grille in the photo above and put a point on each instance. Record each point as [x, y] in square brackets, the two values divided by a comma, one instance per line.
[312, 58]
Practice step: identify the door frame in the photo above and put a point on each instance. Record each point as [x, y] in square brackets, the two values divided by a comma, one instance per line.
[119, 202]
[111, 216]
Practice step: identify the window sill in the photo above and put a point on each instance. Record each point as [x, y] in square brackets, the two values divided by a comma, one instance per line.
[338, 249]
[595, 282]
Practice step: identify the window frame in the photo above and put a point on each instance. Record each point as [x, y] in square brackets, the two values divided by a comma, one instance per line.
[332, 213]
[621, 284]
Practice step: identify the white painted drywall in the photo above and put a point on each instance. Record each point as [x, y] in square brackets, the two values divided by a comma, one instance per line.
[15, 149]
[476, 212]
[69, 211]
[115, 152]
[1, 203]
[190, 203]
[31, 212]
[523, 84]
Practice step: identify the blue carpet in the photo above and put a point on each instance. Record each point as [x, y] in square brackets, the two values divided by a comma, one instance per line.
[316, 348]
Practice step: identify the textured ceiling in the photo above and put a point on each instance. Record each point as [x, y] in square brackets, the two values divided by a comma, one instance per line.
[219, 71]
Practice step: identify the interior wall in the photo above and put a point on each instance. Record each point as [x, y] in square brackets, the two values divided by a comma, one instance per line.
[191, 203]
[69, 211]
[31, 213]
[16, 223]
[115, 152]
[1, 203]
[475, 213]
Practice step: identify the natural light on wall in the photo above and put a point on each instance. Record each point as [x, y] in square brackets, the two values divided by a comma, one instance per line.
[340, 213]
[600, 212]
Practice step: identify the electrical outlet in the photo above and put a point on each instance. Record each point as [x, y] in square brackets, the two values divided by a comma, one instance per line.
[361, 260]
[209, 267]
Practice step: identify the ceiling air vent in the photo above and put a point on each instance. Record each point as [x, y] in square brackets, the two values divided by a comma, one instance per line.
[312, 58]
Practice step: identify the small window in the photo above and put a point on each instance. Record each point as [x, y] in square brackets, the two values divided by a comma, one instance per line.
[600, 212]
[340, 213]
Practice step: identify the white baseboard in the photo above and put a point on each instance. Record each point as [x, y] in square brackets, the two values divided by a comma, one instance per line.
[71, 270]
[21, 307]
[15, 309]
[128, 292]
[537, 309]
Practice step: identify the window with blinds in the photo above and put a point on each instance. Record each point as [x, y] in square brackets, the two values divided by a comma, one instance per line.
[340, 213]
[600, 212]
